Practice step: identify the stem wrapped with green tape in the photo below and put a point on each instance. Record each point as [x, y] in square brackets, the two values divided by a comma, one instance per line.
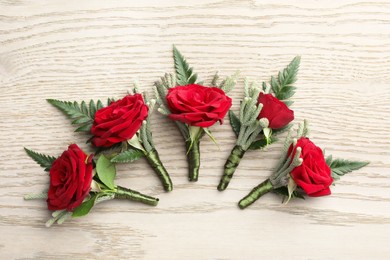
[258, 191]
[230, 166]
[124, 193]
[193, 158]
[154, 160]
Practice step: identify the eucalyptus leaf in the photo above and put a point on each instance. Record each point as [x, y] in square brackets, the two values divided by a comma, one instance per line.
[106, 171]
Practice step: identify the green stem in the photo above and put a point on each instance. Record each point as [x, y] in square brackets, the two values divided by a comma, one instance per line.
[230, 166]
[258, 191]
[193, 158]
[124, 193]
[154, 160]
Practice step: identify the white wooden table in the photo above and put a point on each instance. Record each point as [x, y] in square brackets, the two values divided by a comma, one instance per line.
[75, 50]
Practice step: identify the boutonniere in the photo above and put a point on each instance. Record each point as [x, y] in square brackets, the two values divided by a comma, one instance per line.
[193, 106]
[122, 129]
[302, 170]
[77, 183]
[263, 113]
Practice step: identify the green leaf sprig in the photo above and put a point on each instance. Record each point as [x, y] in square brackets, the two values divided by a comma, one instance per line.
[185, 75]
[141, 145]
[253, 133]
[281, 181]
[103, 188]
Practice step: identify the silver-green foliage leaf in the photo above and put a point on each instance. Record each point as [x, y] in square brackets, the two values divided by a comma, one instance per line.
[184, 72]
[283, 85]
[85, 207]
[106, 171]
[81, 114]
[43, 160]
[341, 167]
[234, 122]
[129, 155]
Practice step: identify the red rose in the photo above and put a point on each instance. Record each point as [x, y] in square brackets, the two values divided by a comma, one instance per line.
[277, 113]
[119, 121]
[197, 105]
[70, 179]
[313, 175]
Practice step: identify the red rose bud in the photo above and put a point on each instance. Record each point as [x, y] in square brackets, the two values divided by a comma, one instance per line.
[313, 175]
[70, 179]
[197, 105]
[277, 113]
[119, 121]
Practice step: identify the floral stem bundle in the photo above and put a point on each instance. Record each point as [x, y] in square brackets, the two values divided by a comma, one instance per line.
[121, 128]
[302, 170]
[192, 106]
[263, 113]
[77, 184]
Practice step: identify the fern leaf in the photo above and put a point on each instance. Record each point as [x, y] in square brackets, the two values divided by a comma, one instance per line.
[341, 167]
[129, 155]
[80, 114]
[43, 160]
[283, 85]
[184, 72]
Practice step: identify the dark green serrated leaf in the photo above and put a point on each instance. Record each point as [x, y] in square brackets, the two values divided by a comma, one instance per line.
[45, 161]
[99, 105]
[283, 86]
[106, 171]
[80, 114]
[184, 73]
[129, 155]
[341, 167]
[92, 108]
[234, 122]
[328, 159]
[284, 192]
[85, 207]
[259, 144]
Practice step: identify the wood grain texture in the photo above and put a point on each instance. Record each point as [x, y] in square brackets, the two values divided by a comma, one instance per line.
[75, 50]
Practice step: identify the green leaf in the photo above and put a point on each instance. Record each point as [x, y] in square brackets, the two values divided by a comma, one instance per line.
[282, 130]
[43, 160]
[234, 122]
[328, 159]
[260, 144]
[341, 167]
[284, 191]
[99, 105]
[92, 108]
[85, 207]
[81, 115]
[283, 86]
[184, 72]
[129, 155]
[106, 171]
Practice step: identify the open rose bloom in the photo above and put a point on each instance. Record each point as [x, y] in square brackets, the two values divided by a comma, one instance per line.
[119, 121]
[198, 105]
[70, 179]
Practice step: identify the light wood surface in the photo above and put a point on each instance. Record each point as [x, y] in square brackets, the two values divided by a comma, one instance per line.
[75, 50]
